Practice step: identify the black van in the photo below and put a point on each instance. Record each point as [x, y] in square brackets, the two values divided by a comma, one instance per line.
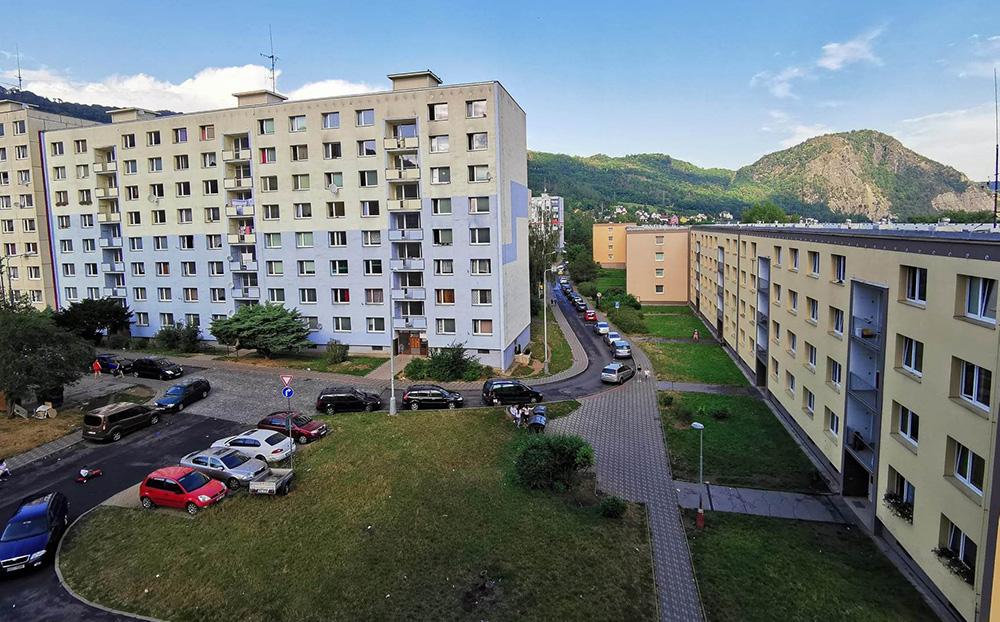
[113, 421]
[503, 391]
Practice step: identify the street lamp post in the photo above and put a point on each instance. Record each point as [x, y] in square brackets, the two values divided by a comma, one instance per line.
[700, 519]
[545, 318]
[5, 270]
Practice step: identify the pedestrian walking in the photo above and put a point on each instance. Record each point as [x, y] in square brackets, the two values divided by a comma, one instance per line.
[638, 374]
[695, 336]
[645, 374]
[96, 366]
[4, 471]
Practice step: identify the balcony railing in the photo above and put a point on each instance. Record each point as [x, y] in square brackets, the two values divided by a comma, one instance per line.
[406, 235]
[243, 266]
[106, 192]
[409, 293]
[393, 143]
[418, 322]
[762, 318]
[114, 292]
[402, 174]
[105, 167]
[111, 243]
[866, 332]
[763, 283]
[113, 267]
[403, 204]
[242, 238]
[860, 446]
[406, 264]
[865, 392]
[245, 211]
[109, 217]
[237, 183]
[246, 293]
[236, 155]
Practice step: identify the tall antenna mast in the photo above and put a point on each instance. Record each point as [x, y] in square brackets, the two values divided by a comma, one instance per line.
[17, 50]
[271, 57]
[996, 162]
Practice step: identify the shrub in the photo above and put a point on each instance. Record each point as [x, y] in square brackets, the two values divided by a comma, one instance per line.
[587, 288]
[182, 338]
[618, 294]
[666, 400]
[628, 320]
[138, 344]
[117, 341]
[552, 462]
[416, 369]
[613, 507]
[720, 414]
[336, 352]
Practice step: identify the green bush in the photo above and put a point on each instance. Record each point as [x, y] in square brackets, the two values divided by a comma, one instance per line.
[613, 507]
[416, 369]
[181, 338]
[138, 344]
[628, 320]
[117, 341]
[587, 288]
[336, 352]
[666, 400]
[617, 294]
[552, 462]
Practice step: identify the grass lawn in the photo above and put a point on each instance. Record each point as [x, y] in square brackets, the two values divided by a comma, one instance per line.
[608, 278]
[749, 448]
[353, 366]
[755, 568]
[560, 355]
[667, 310]
[389, 519]
[694, 362]
[675, 325]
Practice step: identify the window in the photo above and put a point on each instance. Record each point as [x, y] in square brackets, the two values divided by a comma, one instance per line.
[160, 242]
[373, 266]
[268, 155]
[83, 171]
[304, 239]
[839, 268]
[215, 268]
[307, 267]
[303, 210]
[790, 382]
[837, 321]
[58, 172]
[335, 209]
[376, 324]
[658, 257]
[272, 240]
[440, 175]
[190, 294]
[482, 327]
[366, 148]
[69, 269]
[477, 141]
[189, 268]
[960, 544]
[479, 173]
[365, 118]
[341, 296]
[438, 112]
[333, 180]
[20, 127]
[808, 401]
[276, 294]
[57, 149]
[916, 284]
[981, 299]
[141, 318]
[210, 187]
[912, 356]
[975, 384]
[479, 205]
[182, 188]
[297, 123]
[812, 305]
[300, 182]
[300, 153]
[217, 294]
[207, 132]
[368, 179]
[80, 146]
[208, 160]
[832, 422]
[793, 341]
[444, 296]
[163, 268]
[62, 222]
[135, 244]
[834, 372]
[275, 268]
[439, 143]
[269, 183]
[369, 208]
[337, 238]
[908, 424]
[445, 326]
[128, 141]
[307, 295]
[442, 237]
[813, 263]
[794, 257]
[213, 241]
[480, 266]
[139, 293]
[180, 135]
[153, 138]
[969, 467]
[444, 266]
[482, 297]
[155, 165]
[479, 235]
[331, 151]
[475, 108]
[159, 217]
[163, 294]
[331, 120]
[660, 273]
[374, 296]
[341, 324]
[265, 126]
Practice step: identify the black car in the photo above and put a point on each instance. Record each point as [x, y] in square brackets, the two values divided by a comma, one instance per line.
[159, 368]
[503, 391]
[580, 304]
[184, 393]
[113, 363]
[31, 535]
[431, 396]
[346, 399]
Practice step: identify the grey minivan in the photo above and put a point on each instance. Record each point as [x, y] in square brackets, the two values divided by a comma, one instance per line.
[113, 421]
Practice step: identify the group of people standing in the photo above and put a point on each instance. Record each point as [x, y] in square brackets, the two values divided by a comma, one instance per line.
[523, 415]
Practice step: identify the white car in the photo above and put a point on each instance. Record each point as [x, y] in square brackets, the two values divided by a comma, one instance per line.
[266, 445]
[611, 337]
[601, 328]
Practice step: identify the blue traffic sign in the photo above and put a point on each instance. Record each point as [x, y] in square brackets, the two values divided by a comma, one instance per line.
[618, 305]
[287, 392]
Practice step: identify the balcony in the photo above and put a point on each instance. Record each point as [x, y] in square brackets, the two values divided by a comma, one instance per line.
[239, 211]
[237, 183]
[862, 391]
[406, 235]
[395, 205]
[409, 293]
[866, 332]
[396, 144]
[402, 174]
[406, 264]
[246, 293]
[248, 239]
[114, 267]
[114, 292]
[763, 284]
[105, 168]
[762, 319]
[236, 155]
[862, 449]
[106, 192]
[109, 217]
[243, 266]
[409, 322]
[111, 242]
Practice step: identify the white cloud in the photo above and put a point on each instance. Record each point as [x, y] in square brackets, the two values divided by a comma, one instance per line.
[794, 131]
[836, 56]
[210, 88]
[961, 138]
[779, 84]
[985, 58]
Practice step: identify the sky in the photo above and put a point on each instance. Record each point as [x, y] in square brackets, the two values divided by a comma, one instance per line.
[718, 84]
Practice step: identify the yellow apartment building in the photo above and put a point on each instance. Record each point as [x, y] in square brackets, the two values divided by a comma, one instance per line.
[657, 260]
[609, 243]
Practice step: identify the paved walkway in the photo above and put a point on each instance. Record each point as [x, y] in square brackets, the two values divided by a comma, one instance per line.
[623, 426]
[700, 387]
[772, 503]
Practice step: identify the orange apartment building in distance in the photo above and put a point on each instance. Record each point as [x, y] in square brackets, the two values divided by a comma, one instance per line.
[609, 243]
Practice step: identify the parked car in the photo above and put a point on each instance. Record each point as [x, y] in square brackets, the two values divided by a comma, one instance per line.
[266, 445]
[563, 280]
[346, 399]
[502, 391]
[113, 421]
[225, 465]
[112, 362]
[32, 534]
[622, 349]
[580, 304]
[158, 368]
[431, 396]
[616, 373]
[590, 315]
[184, 393]
[304, 427]
[611, 337]
[602, 328]
[180, 487]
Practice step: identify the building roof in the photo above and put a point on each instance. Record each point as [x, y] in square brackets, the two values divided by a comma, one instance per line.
[415, 74]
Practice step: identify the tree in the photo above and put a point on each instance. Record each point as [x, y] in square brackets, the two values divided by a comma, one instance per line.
[91, 318]
[579, 228]
[267, 328]
[766, 212]
[541, 244]
[36, 355]
[581, 264]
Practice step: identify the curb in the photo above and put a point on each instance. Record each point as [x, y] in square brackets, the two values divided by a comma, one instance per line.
[21, 465]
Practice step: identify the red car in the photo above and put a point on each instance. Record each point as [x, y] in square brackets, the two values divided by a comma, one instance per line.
[180, 487]
[304, 428]
[590, 315]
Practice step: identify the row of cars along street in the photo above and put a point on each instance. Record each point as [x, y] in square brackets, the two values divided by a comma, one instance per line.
[615, 372]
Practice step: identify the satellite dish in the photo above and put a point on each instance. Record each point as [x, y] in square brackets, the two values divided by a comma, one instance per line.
[26, 183]
[334, 189]
[152, 198]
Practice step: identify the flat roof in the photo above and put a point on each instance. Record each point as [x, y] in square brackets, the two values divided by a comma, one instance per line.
[415, 74]
[981, 232]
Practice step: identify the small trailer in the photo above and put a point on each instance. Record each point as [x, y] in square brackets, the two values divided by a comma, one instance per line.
[271, 482]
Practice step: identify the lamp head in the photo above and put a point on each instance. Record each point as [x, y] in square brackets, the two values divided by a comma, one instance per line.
[698, 426]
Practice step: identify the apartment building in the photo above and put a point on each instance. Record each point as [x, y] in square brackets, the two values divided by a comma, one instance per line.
[380, 216]
[549, 211]
[610, 246]
[656, 262]
[880, 347]
[25, 257]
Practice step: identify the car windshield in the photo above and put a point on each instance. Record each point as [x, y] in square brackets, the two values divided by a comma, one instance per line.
[193, 481]
[17, 530]
[176, 390]
[301, 420]
[162, 362]
[233, 460]
[621, 344]
[611, 369]
[275, 438]
[92, 420]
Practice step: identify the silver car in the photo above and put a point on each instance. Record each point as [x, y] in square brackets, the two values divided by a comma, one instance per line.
[601, 328]
[226, 465]
[616, 373]
[611, 338]
[622, 349]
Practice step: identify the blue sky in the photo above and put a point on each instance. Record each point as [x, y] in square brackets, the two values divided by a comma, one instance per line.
[717, 84]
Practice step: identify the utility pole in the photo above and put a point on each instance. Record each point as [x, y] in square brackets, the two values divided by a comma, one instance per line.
[996, 162]
[17, 52]
[271, 57]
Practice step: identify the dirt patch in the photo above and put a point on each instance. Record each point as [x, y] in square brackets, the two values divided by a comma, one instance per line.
[485, 593]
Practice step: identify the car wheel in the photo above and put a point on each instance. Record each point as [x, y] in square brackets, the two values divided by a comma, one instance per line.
[262, 459]
[451, 405]
[414, 406]
[116, 436]
[204, 394]
[368, 408]
[331, 410]
[232, 483]
[180, 407]
[154, 420]
[283, 490]
[135, 374]
[496, 401]
[147, 503]
[302, 440]
[192, 509]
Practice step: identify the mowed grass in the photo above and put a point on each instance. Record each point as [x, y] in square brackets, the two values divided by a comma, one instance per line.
[745, 447]
[675, 325]
[608, 278]
[353, 366]
[759, 569]
[560, 355]
[667, 310]
[703, 362]
[389, 519]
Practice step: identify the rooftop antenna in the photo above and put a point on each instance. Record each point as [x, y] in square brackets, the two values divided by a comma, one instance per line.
[271, 57]
[17, 51]
[996, 162]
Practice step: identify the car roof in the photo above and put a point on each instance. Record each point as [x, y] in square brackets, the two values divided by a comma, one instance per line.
[217, 452]
[171, 472]
[110, 409]
[602, 322]
[622, 342]
[257, 433]
[35, 505]
[424, 387]
[614, 364]
[188, 382]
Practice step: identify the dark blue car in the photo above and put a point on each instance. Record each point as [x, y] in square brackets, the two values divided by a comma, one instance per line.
[31, 535]
[184, 393]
